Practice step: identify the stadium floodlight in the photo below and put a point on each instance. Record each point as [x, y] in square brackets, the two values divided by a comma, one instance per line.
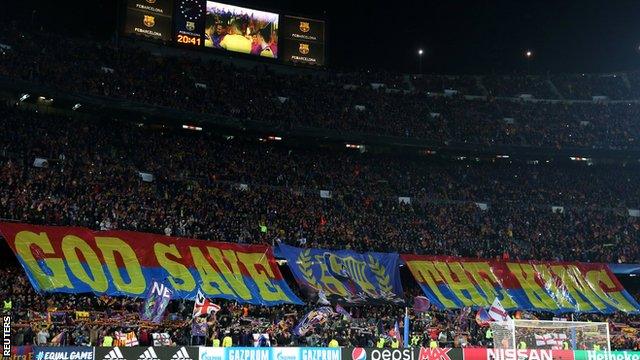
[420, 52]
[24, 97]
[76, 107]
[528, 53]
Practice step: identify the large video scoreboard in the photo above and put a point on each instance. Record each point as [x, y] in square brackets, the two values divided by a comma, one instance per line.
[213, 25]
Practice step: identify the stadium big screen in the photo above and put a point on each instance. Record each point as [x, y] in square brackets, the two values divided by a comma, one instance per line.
[229, 28]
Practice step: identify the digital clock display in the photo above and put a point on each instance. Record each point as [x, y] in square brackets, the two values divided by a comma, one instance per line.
[190, 40]
[189, 22]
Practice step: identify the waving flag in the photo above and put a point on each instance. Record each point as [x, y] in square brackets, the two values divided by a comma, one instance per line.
[482, 317]
[156, 303]
[203, 306]
[396, 333]
[497, 312]
[340, 310]
[311, 319]
[420, 304]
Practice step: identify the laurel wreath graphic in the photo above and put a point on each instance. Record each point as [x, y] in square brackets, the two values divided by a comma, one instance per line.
[305, 265]
[381, 275]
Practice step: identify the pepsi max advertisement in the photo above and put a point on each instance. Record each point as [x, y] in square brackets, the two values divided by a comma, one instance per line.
[359, 353]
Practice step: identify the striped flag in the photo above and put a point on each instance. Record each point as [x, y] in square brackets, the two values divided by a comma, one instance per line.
[497, 312]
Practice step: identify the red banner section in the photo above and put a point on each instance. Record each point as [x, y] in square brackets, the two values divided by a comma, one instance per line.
[546, 286]
[77, 260]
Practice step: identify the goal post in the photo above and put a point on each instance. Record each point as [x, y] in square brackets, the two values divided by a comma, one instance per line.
[551, 335]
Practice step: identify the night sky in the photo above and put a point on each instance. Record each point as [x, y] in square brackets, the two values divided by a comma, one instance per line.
[459, 37]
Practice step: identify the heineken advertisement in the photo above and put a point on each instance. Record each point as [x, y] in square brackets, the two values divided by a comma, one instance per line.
[606, 355]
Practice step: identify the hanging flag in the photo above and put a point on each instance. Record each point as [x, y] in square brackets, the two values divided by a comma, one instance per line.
[482, 317]
[553, 340]
[420, 304]
[156, 303]
[340, 310]
[497, 312]
[126, 339]
[203, 306]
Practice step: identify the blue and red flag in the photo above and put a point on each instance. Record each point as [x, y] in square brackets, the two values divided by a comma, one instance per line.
[482, 317]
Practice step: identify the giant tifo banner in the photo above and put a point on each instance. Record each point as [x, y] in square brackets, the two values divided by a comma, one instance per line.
[78, 260]
[346, 275]
[451, 283]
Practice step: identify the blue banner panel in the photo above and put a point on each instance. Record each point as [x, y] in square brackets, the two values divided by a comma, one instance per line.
[346, 275]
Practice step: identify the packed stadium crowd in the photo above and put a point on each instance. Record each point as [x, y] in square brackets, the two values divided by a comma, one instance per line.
[86, 171]
[258, 192]
[91, 178]
[398, 105]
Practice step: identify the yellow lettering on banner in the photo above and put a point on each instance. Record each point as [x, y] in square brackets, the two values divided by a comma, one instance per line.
[110, 246]
[233, 276]
[257, 264]
[571, 278]
[425, 272]
[552, 287]
[58, 278]
[526, 275]
[179, 276]
[477, 269]
[212, 282]
[458, 287]
[330, 284]
[71, 244]
[614, 298]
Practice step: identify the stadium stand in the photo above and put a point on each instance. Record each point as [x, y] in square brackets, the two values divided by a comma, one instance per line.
[212, 186]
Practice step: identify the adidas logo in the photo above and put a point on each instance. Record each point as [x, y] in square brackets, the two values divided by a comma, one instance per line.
[114, 354]
[149, 354]
[182, 354]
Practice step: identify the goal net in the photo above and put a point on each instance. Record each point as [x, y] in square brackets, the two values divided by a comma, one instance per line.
[552, 335]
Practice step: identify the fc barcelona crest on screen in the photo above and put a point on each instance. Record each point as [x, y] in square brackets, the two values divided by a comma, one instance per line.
[304, 26]
[303, 49]
[190, 25]
[149, 21]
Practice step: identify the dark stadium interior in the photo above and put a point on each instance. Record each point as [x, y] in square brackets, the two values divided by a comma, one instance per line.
[479, 154]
